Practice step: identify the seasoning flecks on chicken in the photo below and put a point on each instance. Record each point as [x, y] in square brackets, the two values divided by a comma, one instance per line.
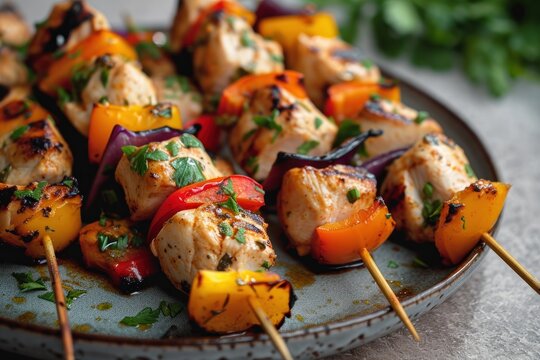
[187, 12]
[417, 183]
[402, 126]
[212, 238]
[118, 248]
[276, 121]
[227, 48]
[326, 61]
[179, 91]
[150, 173]
[68, 23]
[311, 197]
[34, 152]
[108, 79]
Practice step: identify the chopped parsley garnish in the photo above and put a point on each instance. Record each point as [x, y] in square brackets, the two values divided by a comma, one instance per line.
[230, 203]
[225, 229]
[173, 148]
[388, 215]
[186, 171]
[421, 117]
[269, 122]
[266, 265]
[102, 220]
[103, 100]
[104, 76]
[138, 157]
[170, 309]
[18, 132]
[276, 58]
[162, 110]
[249, 134]
[392, 264]
[32, 194]
[27, 283]
[67, 182]
[375, 97]
[469, 170]
[307, 146]
[147, 48]
[63, 96]
[190, 141]
[146, 316]
[240, 236]
[432, 208]
[347, 129]
[246, 40]
[113, 243]
[71, 296]
[353, 195]
[318, 122]
[368, 64]
[259, 190]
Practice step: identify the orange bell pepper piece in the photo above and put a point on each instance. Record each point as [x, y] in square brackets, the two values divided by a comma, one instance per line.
[286, 29]
[131, 117]
[345, 100]
[236, 94]
[341, 242]
[99, 43]
[466, 216]
[38, 209]
[218, 301]
[228, 7]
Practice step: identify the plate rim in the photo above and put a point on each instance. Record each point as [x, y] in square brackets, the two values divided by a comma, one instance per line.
[462, 270]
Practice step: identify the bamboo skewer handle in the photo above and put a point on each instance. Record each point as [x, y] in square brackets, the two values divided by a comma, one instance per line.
[387, 291]
[269, 328]
[63, 320]
[512, 262]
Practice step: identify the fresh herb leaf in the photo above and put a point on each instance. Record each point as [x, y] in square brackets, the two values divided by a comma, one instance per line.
[353, 195]
[162, 110]
[138, 157]
[318, 122]
[225, 229]
[368, 64]
[73, 295]
[31, 194]
[170, 309]
[129, 149]
[259, 190]
[431, 211]
[266, 265]
[246, 40]
[148, 48]
[469, 170]
[307, 146]
[27, 283]
[63, 96]
[421, 117]
[67, 182]
[102, 219]
[240, 236]
[249, 134]
[146, 316]
[104, 76]
[428, 190]
[104, 242]
[276, 58]
[392, 264]
[157, 155]
[269, 122]
[18, 132]
[230, 204]
[187, 171]
[104, 100]
[190, 141]
[388, 215]
[347, 129]
[49, 296]
[173, 148]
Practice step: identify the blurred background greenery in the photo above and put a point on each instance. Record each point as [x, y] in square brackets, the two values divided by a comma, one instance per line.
[493, 41]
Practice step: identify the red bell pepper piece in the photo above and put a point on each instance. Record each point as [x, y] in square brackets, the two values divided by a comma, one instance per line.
[249, 196]
[210, 133]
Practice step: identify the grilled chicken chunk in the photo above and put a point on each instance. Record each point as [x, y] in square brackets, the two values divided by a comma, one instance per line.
[276, 121]
[34, 152]
[9, 94]
[227, 48]
[68, 23]
[108, 79]
[179, 91]
[117, 248]
[402, 126]
[152, 172]
[13, 29]
[12, 70]
[27, 213]
[326, 62]
[187, 12]
[212, 238]
[312, 197]
[418, 182]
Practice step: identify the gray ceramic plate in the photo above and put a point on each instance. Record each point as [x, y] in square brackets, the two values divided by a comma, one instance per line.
[335, 311]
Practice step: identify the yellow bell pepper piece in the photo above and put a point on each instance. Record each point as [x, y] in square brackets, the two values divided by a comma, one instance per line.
[218, 301]
[24, 220]
[286, 29]
[464, 218]
[131, 117]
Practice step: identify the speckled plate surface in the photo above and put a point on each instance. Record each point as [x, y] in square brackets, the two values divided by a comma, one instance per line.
[335, 311]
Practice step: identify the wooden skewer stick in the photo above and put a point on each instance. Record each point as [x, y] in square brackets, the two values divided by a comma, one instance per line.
[513, 263]
[387, 291]
[63, 320]
[267, 325]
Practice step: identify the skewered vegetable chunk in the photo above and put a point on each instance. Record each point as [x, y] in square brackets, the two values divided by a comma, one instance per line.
[466, 216]
[27, 213]
[219, 303]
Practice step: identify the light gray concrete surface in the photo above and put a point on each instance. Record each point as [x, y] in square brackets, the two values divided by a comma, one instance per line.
[495, 315]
